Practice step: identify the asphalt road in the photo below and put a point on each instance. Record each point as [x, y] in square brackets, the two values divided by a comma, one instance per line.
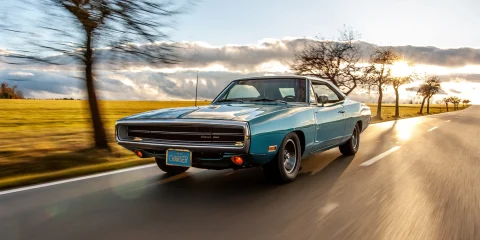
[416, 178]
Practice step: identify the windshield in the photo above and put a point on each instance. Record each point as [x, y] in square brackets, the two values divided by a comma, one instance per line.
[288, 90]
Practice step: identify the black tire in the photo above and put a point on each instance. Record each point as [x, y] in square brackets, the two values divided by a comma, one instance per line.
[350, 147]
[280, 170]
[171, 170]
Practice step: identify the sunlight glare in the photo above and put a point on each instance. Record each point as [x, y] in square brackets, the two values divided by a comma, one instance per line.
[401, 69]
[405, 128]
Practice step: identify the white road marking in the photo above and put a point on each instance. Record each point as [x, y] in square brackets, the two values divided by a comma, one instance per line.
[431, 129]
[328, 208]
[379, 157]
[449, 120]
[75, 179]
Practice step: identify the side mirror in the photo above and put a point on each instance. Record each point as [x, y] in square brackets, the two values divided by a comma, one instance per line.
[322, 99]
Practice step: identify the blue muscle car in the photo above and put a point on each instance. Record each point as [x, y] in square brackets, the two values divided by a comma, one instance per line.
[271, 122]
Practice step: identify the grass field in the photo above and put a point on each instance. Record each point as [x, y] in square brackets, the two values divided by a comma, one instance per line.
[48, 139]
[407, 110]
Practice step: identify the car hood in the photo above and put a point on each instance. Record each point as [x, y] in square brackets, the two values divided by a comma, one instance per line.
[238, 112]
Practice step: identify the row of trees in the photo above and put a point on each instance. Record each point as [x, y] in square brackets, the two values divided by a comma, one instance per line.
[340, 62]
[455, 101]
[7, 92]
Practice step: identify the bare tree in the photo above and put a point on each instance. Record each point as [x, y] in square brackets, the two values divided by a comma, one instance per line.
[396, 82]
[428, 89]
[455, 100]
[85, 31]
[446, 101]
[380, 74]
[465, 101]
[336, 61]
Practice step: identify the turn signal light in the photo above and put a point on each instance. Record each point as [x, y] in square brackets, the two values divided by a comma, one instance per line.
[272, 148]
[138, 153]
[237, 160]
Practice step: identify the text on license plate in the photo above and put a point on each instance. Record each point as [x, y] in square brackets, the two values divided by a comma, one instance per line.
[177, 157]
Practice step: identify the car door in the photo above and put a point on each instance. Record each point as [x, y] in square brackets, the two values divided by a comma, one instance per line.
[329, 117]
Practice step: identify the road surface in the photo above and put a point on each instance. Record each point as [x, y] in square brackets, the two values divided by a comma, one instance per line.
[416, 178]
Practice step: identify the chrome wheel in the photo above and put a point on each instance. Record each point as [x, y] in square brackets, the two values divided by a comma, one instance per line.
[290, 156]
[355, 138]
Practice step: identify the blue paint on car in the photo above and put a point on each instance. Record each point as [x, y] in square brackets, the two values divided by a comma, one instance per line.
[264, 112]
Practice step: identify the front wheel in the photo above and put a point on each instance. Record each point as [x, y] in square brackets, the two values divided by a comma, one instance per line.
[285, 166]
[171, 170]
[350, 148]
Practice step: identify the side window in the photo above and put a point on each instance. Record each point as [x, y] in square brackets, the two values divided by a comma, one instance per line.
[324, 89]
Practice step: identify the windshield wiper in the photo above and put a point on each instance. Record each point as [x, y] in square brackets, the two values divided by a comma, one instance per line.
[230, 100]
[268, 100]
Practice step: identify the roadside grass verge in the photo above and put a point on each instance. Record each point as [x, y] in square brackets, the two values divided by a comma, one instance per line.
[408, 111]
[46, 140]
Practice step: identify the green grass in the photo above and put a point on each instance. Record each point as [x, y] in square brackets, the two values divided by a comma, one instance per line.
[43, 140]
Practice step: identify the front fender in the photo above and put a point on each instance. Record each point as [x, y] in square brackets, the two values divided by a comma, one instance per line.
[356, 112]
[270, 130]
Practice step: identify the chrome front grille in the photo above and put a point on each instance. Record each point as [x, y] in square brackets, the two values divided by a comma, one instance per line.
[184, 133]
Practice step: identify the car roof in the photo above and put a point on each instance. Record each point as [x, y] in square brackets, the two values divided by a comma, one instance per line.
[283, 76]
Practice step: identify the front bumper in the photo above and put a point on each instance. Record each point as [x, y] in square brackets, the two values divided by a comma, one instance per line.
[193, 148]
[210, 161]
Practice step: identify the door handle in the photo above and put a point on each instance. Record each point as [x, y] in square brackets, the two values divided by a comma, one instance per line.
[341, 111]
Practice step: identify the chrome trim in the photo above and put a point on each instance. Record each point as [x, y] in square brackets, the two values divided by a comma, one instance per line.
[179, 121]
[222, 92]
[204, 148]
[207, 147]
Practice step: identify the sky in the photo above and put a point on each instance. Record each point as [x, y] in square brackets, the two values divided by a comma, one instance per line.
[439, 23]
[231, 39]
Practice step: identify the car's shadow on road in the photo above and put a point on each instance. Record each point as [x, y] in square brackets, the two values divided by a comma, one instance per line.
[319, 173]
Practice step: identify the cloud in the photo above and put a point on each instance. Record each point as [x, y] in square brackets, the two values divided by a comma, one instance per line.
[218, 65]
[274, 51]
[41, 84]
[454, 91]
[247, 57]
[20, 74]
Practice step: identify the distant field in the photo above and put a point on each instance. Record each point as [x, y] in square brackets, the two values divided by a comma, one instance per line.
[48, 135]
[407, 110]
[41, 136]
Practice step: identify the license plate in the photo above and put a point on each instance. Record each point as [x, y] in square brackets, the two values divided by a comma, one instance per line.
[179, 157]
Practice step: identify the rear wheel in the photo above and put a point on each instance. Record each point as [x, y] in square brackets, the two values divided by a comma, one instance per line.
[172, 170]
[285, 166]
[350, 148]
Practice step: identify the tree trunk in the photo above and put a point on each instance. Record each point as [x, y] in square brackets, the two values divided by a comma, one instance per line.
[397, 108]
[98, 129]
[423, 103]
[446, 105]
[379, 105]
[428, 105]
